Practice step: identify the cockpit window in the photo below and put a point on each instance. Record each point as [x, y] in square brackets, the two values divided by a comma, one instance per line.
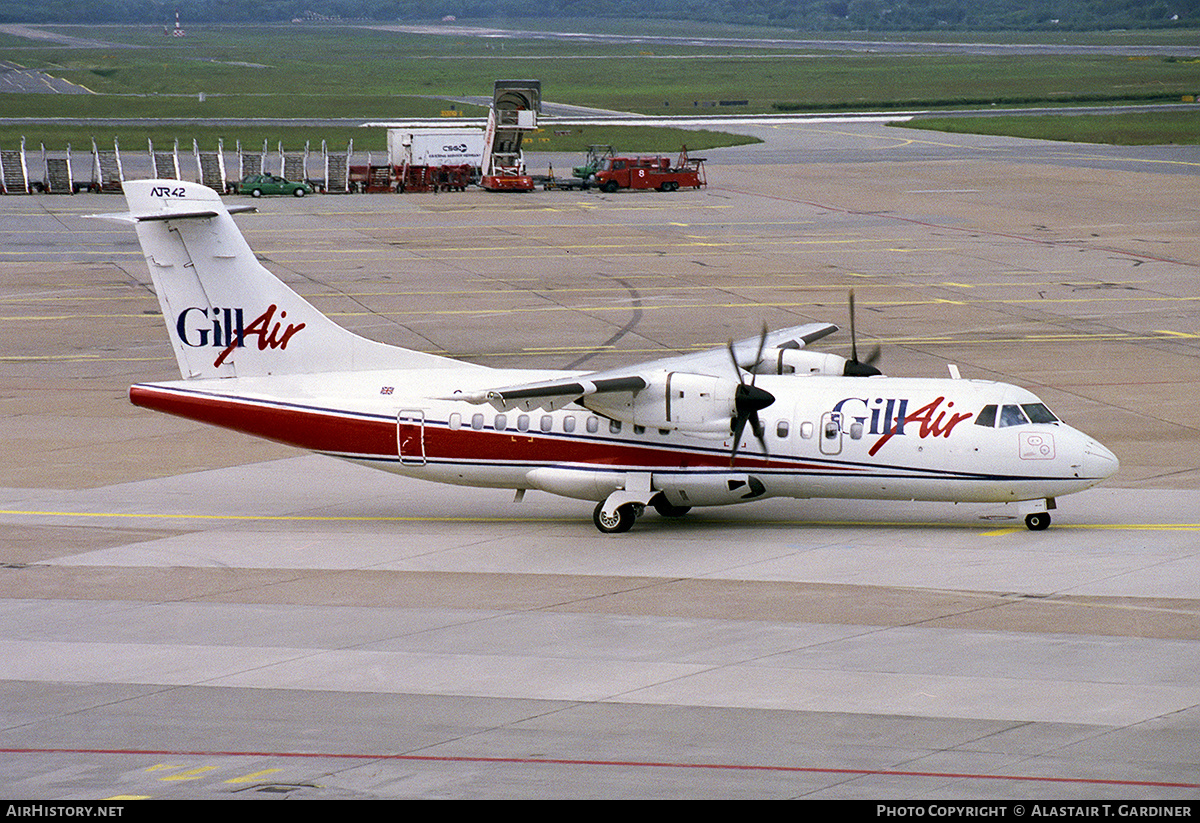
[1015, 415]
[1012, 416]
[1038, 413]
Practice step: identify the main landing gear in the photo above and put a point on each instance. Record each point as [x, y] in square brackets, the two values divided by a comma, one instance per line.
[622, 518]
[619, 521]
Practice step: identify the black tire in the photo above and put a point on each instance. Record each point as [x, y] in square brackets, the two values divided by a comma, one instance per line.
[298, 192]
[621, 522]
[1038, 521]
[610, 186]
[668, 509]
[256, 193]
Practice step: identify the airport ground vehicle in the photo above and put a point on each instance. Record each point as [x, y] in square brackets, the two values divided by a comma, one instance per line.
[595, 159]
[651, 173]
[257, 185]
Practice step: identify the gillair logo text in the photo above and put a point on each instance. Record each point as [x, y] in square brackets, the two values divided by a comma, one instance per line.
[227, 330]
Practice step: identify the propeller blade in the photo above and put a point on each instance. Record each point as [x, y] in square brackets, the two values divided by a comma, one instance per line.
[762, 342]
[738, 428]
[855, 367]
[748, 400]
[737, 370]
[853, 336]
[760, 431]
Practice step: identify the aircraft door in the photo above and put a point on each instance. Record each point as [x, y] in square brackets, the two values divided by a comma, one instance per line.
[831, 433]
[410, 436]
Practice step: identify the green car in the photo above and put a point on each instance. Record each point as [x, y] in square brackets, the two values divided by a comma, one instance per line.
[256, 185]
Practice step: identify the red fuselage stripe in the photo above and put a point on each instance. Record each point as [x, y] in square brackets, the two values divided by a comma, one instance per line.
[307, 429]
[349, 435]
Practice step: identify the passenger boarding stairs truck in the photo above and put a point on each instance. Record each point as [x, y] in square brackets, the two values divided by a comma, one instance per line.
[515, 107]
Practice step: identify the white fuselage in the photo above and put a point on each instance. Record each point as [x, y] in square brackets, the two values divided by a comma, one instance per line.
[851, 437]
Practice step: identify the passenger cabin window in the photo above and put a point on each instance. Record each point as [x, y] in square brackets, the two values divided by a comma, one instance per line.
[501, 422]
[986, 416]
[593, 425]
[614, 426]
[456, 421]
[523, 422]
[569, 423]
[781, 429]
[477, 422]
[547, 423]
[806, 430]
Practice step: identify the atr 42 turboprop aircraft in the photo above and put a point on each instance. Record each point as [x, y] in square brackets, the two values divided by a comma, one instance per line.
[671, 433]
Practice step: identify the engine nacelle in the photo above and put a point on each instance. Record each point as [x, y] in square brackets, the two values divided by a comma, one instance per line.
[799, 361]
[695, 403]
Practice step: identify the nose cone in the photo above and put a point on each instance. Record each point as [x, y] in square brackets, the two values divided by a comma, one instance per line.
[1099, 462]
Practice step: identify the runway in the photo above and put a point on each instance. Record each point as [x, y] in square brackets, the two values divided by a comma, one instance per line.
[187, 613]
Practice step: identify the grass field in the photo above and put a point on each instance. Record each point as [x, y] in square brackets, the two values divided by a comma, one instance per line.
[1134, 129]
[630, 139]
[315, 72]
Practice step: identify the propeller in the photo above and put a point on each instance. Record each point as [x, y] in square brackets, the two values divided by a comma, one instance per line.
[748, 400]
[854, 366]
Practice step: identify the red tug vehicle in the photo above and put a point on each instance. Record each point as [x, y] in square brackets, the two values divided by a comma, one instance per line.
[652, 173]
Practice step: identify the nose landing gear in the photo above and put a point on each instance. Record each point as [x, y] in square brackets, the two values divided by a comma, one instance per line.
[1038, 521]
[1037, 513]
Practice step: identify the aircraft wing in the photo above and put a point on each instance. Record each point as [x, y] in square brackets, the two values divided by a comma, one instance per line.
[555, 394]
[716, 361]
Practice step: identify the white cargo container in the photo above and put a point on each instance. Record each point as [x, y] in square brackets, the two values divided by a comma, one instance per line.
[435, 147]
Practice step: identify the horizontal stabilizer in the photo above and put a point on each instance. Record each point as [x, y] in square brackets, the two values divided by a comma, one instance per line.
[177, 214]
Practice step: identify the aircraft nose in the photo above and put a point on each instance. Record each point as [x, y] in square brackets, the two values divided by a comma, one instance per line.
[1098, 461]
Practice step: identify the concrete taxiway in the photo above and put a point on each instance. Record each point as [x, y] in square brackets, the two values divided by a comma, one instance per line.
[185, 612]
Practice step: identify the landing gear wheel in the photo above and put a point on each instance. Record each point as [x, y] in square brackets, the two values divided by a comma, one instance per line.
[668, 509]
[1038, 521]
[621, 521]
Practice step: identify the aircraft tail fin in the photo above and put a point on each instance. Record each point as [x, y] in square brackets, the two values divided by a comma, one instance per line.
[227, 316]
